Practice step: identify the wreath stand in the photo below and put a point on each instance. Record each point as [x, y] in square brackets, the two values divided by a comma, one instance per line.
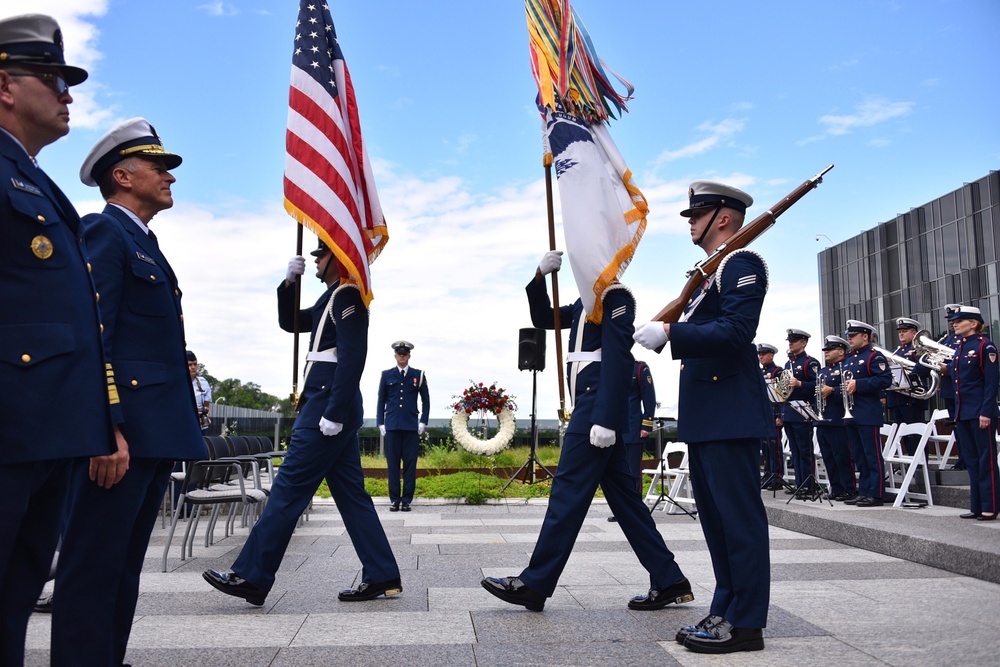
[529, 466]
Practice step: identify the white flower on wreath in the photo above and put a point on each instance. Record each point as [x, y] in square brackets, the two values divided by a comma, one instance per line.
[474, 445]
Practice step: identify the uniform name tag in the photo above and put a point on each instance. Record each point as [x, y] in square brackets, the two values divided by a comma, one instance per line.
[25, 187]
[145, 258]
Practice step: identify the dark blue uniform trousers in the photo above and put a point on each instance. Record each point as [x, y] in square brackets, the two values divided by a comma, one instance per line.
[402, 446]
[866, 449]
[30, 516]
[633, 457]
[836, 453]
[581, 468]
[800, 443]
[97, 580]
[979, 447]
[725, 479]
[312, 457]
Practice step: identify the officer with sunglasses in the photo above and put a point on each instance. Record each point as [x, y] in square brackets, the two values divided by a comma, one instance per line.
[52, 365]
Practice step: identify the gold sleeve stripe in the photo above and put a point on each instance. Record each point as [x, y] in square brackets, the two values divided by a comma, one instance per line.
[647, 422]
[112, 388]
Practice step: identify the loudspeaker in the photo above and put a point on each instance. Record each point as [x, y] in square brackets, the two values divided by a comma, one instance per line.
[531, 350]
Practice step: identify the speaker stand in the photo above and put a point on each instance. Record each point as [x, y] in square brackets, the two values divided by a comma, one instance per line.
[530, 465]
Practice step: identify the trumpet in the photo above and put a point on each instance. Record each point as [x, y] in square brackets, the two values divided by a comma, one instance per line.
[915, 387]
[820, 399]
[846, 377]
[932, 353]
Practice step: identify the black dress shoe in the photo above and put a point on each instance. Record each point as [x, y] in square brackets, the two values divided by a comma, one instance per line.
[869, 502]
[366, 591]
[709, 621]
[855, 500]
[406, 507]
[394, 507]
[654, 599]
[969, 515]
[724, 638]
[44, 604]
[986, 517]
[613, 519]
[512, 590]
[232, 584]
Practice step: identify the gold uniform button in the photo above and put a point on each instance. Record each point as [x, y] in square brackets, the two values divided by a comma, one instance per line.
[26, 358]
[41, 218]
[152, 277]
[135, 383]
[182, 317]
[682, 366]
[102, 328]
[715, 378]
[89, 268]
[97, 296]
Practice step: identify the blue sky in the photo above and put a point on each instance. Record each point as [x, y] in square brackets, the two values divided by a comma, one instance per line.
[901, 95]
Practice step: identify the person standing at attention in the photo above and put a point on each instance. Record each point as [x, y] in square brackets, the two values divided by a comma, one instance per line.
[400, 424]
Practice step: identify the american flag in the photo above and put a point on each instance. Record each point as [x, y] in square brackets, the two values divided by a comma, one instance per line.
[329, 186]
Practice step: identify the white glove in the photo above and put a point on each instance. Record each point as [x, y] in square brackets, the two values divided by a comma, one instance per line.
[551, 261]
[381, 429]
[296, 267]
[601, 437]
[651, 335]
[421, 428]
[327, 427]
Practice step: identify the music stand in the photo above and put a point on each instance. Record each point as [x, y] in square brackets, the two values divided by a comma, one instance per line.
[818, 492]
[529, 466]
[663, 494]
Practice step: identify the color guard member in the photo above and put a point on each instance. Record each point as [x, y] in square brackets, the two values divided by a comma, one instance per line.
[723, 414]
[593, 453]
[324, 444]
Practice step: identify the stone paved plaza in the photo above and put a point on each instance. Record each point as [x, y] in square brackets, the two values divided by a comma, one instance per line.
[831, 603]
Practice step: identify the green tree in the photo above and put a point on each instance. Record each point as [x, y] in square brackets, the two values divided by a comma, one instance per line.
[248, 395]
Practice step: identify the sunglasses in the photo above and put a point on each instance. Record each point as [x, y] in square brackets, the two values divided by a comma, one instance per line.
[53, 80]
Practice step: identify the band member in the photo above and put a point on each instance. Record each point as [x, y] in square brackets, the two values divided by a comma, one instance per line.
[831, 433]
[593, 453]
[947, 388]
[798, 427]
[976, 374]
[865, 376]
[713, 339]
[774, 468]
[903, 408]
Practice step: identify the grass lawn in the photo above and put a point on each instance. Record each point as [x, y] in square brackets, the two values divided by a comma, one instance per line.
[473, 486]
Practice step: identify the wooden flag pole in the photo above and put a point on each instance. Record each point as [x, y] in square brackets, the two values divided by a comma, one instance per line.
[295, 325]
[550, 211]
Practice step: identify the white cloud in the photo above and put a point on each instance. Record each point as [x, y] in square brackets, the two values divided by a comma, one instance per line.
[715, 133]
[872, 111]
[219, 8]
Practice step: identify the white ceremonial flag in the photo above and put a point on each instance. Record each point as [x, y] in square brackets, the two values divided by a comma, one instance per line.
[604, 213]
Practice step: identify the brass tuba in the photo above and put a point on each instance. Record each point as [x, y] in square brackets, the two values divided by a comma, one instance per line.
[914, 387]
[932, 353]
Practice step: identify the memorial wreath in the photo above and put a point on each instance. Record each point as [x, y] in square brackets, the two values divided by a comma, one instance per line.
[483, 400]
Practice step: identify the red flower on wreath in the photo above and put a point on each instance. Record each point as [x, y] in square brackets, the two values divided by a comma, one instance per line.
[478, 397]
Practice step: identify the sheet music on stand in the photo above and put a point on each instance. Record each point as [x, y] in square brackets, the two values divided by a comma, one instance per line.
[900, 379]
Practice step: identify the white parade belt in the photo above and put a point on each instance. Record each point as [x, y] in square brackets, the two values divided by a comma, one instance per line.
[593, 355]
[324, 355]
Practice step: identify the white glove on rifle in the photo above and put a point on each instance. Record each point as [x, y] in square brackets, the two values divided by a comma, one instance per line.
[327, 427]
[296, 267]
[601, 437]
[420, 428]
[551, 261]
[651, 335]
[381, 429]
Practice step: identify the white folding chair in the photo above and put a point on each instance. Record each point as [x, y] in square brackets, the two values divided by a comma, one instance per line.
[898, 462]
[822, 476]
[936, 440]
